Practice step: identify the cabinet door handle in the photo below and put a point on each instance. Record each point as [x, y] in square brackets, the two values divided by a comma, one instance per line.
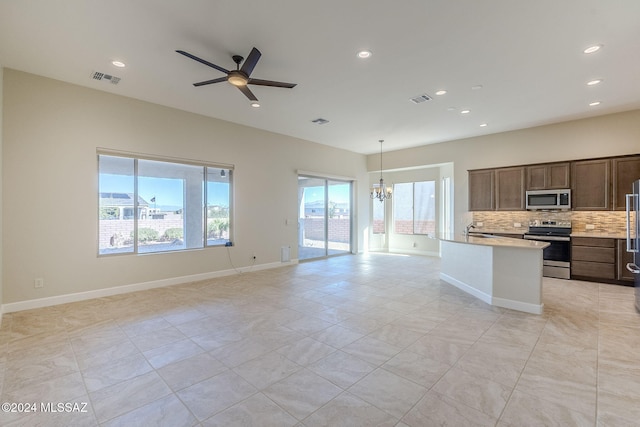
[633, 268]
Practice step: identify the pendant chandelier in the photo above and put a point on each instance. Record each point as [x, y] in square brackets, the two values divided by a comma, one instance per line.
[379, 191]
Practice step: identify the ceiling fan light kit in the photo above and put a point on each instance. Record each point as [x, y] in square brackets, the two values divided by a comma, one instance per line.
[241, 76]
[237, 79]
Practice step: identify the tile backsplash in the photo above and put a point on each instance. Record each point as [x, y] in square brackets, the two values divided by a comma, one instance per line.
[602, 221]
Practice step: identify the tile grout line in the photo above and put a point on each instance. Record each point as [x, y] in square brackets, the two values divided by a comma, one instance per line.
[521, 371]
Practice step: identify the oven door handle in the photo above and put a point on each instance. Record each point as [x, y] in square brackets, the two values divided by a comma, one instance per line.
[549, 238]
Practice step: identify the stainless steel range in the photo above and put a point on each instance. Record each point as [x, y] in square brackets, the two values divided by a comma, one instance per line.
[557, 256]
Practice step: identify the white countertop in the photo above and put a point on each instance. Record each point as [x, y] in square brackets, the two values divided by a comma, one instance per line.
[493, 241]
[518, 232]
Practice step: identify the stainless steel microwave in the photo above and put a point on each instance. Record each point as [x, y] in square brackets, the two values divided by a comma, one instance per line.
[549, 200]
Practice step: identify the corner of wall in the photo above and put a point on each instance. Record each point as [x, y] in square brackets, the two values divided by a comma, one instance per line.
[1, 192]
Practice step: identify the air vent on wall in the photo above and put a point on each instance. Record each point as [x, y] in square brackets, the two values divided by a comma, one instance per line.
[320, 121]
[420, 98]
[97, 75]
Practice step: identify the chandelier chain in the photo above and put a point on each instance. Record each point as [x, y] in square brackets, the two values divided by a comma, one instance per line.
[381, 192]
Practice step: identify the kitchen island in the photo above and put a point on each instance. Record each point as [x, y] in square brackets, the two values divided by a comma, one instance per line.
[500, 271]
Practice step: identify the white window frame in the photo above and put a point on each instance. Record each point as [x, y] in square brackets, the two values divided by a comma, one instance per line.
[413, 204]
[229, 171]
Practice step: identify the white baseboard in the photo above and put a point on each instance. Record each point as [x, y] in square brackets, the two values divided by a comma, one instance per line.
[519, 305]
[489, 299]
[99, 293]
[468, 289]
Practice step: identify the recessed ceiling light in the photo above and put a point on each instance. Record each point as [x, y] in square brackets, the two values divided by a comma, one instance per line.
[441, 92]
[255, 104]
[465, 111]
[594, 82]
[483, 125]
[594, 103]
[363, 54]
[118, 64]
[476, 87]
[451, 109]
[592, 49]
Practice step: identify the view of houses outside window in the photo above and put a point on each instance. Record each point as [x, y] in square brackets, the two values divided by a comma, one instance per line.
[414, 207]
[158, 206]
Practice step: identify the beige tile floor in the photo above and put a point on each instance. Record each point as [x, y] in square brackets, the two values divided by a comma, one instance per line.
[365, 340]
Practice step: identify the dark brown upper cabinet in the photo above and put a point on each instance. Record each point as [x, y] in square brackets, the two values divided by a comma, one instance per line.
[626, 170]
[591, 185]
[481, 190]
[596, 184]
[510, 189]
[549, 176]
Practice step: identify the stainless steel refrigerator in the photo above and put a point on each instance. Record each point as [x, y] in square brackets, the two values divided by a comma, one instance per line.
[633, 237]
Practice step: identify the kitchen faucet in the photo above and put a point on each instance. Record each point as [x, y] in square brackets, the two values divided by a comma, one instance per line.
[469, 227]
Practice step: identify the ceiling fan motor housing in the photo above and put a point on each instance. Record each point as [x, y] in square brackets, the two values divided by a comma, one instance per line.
[237, 78]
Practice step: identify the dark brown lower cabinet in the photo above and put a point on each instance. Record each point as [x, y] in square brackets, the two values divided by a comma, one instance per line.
[593, 258]
[600, 260]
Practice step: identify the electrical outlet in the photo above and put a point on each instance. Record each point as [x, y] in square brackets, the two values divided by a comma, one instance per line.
[590, 227]
[479, 224]
[517, 224]
[38, 283]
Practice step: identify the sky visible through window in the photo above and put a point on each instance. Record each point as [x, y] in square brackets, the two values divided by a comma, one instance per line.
[168, 193]
[337, 193]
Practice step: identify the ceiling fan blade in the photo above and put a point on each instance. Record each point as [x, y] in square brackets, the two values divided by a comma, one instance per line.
[202, 61]
[247, 92]
[271, 83]
[208, 82]
[251, 61]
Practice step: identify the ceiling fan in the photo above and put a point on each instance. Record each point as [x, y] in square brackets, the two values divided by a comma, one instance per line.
[241, 76]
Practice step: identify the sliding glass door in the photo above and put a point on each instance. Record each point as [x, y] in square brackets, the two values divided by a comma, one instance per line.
[324, 218]
[312, 233]
[339, 217]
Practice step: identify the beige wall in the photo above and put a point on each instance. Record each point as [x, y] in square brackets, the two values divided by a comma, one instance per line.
[609, 135]
[1, 189]
[51, 132]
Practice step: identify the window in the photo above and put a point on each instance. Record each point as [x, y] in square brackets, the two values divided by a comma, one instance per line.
[424, 210]
[414, 208]
[150, 205]
[378, 216]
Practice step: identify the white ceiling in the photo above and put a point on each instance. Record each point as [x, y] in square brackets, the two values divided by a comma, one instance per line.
[526, 55]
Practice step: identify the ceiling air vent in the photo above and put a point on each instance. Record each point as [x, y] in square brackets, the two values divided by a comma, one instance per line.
[420, 98]
[97, 75]
[320, 121]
